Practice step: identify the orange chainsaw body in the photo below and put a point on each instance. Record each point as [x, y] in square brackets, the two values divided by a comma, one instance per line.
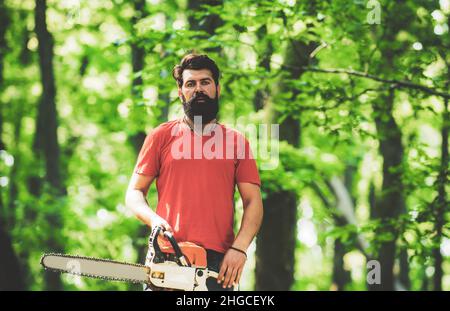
[195, 254]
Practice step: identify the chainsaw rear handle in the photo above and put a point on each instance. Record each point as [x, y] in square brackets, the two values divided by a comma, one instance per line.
[178, 253]
[177, 249]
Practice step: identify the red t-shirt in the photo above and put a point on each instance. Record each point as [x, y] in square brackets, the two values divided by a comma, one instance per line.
[196, 177]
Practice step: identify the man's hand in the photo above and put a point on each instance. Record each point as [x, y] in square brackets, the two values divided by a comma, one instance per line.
[231, 268]
[161, 222]
[234, 260]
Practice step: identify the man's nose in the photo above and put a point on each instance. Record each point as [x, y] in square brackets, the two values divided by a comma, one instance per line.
[198, 87]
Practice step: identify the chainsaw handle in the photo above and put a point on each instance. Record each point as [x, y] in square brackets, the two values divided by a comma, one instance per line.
[183, 260]
[153, 242]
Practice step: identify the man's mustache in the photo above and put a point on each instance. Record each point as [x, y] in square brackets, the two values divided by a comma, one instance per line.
[198, 96]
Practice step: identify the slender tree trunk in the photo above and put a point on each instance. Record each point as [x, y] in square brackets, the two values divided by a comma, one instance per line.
[403, 277]
[137, 51]
[137, 139]
[46, 140]
[262, 94]
[340, 276]
[343, 213]
[46, 134]
[11, 276]
[441, 203]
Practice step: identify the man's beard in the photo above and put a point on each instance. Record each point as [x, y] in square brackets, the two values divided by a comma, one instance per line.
[207, 108]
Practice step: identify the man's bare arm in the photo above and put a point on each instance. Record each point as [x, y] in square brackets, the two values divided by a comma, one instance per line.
[233, 262]
[136, 201]
[252, 217]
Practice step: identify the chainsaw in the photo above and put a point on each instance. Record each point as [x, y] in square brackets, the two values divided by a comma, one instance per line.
[172, 266]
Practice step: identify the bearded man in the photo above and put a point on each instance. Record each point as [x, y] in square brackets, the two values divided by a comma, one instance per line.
[196, 190]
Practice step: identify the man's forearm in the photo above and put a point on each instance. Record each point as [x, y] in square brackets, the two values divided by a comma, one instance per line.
[135, 200]
[251, 222]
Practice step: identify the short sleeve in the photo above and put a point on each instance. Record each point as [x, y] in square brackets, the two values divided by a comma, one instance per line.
[148, 162]
[246, 168]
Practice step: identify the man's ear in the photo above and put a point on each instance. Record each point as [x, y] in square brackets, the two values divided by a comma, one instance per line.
[218, 90]
[179, 93]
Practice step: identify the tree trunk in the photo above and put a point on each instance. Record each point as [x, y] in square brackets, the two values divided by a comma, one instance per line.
[403, 277]
[137, 51]
[275, 244]
[340, 277]
[46, 135]
[441, 203]
[262, 94]
[280, 208]
[137, 139]
[11, 276]
[46, 140]
[343, 213]
[209, 23]
[390, 203]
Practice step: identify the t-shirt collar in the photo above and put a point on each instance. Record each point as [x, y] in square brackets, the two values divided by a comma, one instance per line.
[206, 131]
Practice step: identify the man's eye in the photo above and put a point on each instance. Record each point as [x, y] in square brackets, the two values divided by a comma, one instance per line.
[205, 82]
[189, 84]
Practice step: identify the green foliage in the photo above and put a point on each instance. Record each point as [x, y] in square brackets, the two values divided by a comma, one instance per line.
[100, 114]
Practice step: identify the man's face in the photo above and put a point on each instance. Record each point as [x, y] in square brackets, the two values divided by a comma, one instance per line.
[198, 81]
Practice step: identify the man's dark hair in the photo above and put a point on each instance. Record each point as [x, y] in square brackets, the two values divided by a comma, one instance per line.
[196, 62]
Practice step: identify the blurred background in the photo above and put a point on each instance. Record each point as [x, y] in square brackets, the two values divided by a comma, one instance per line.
[359, 89]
